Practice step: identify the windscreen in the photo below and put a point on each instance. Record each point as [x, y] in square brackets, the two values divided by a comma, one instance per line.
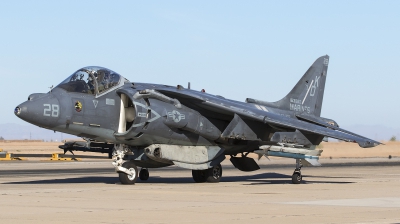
[91, 80]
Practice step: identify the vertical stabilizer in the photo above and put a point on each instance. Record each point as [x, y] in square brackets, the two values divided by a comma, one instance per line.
[307, 95]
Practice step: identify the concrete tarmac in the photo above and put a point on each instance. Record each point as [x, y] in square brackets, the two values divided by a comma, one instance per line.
[342, 191]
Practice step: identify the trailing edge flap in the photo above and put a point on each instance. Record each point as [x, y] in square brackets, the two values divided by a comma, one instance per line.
[318, 120]
[239, 129]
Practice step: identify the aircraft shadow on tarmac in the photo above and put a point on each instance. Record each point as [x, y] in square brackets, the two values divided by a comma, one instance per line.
[265, 178]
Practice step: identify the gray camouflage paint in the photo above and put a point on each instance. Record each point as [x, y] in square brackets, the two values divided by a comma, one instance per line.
[177, 116]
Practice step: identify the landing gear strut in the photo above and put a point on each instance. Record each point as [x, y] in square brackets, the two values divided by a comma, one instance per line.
[211, 175]
[297, 177]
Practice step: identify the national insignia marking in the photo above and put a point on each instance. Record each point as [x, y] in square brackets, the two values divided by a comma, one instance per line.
[176, 116]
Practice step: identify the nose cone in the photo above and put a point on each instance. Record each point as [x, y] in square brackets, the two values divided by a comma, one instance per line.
[22, 112]
[43, 112]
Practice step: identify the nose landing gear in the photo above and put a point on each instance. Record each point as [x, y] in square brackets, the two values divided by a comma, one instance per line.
[127, 171]
[297, 177]
[130, 176]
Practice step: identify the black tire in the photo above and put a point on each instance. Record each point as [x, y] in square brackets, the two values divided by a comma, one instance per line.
[128, 179]
[144, 174]
[214, 174]
[296, 178]
[199, 176]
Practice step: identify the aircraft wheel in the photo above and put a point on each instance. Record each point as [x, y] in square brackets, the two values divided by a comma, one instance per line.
[214, 174]
[128, 179]
[199, 176]
[296, 178]
[144, 174]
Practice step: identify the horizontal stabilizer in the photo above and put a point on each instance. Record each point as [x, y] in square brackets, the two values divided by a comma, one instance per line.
[318, 120]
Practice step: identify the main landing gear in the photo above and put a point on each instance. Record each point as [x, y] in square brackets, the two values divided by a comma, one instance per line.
[144, 174]
[211, 175]
[297, 177]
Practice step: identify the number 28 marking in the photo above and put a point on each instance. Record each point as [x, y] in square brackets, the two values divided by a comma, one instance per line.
[52, 110]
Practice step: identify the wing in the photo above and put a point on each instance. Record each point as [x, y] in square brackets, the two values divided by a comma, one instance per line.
[228, 107]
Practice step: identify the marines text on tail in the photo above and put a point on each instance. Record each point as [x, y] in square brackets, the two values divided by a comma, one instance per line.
[154, 125]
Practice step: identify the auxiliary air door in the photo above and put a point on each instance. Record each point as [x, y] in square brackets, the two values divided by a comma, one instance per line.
[127, 114]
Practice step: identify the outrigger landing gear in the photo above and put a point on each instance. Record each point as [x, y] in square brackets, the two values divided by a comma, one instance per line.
[211, 175]
[296, 177]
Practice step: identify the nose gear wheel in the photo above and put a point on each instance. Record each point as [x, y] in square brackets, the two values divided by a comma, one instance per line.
[128, 178]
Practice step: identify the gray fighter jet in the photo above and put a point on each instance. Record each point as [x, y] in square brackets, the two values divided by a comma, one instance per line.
[154, 125]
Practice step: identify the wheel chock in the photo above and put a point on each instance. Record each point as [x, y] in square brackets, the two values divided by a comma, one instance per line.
[59, 157]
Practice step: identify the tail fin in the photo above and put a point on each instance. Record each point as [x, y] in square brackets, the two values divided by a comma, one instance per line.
[307, 95]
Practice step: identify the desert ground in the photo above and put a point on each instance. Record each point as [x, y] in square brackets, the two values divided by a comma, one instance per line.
[330, 149]
[354, 185]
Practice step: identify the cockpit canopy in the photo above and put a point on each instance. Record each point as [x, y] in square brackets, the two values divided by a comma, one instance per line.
[92, 80]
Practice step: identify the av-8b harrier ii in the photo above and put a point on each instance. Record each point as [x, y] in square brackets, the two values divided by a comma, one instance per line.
[154, 125]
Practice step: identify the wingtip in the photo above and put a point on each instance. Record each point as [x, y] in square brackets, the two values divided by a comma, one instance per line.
[369, 144]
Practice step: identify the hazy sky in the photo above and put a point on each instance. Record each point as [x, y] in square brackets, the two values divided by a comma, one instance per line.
[236, 49]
